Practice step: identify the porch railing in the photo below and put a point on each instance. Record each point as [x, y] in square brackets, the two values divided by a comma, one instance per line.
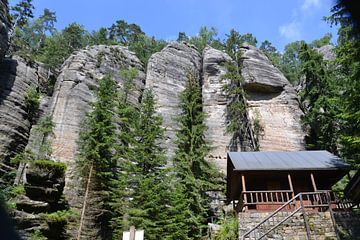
[279, 197]
[254, 198]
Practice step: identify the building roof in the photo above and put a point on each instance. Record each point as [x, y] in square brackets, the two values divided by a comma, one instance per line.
[299, 160]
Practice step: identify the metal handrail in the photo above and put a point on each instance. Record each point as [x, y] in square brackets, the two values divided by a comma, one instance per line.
[321, 202]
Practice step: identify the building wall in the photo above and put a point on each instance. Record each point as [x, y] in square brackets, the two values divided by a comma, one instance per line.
[320, 224]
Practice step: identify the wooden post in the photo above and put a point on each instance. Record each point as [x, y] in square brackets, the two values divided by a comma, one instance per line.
[244, 188]
[313, 182]
[291, 185]
[132, 232]
[292, 190]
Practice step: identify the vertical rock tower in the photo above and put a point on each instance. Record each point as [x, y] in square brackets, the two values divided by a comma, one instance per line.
[273, 103]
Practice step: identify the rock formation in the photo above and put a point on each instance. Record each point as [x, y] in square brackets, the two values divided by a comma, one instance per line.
[328, 52]
[167, 73]
[215, 102]
[16, 78]
[273, 103]
[73, 95]
[4, 27]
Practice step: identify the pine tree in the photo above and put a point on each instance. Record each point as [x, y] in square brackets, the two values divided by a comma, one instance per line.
[195, 174]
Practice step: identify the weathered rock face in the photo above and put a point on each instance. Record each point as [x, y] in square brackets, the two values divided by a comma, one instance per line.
[43, 192]
[16, 78]
[214, 104]
[328, 52]
[273, 103]
[72, 99]
[4, 27]
[167, 74]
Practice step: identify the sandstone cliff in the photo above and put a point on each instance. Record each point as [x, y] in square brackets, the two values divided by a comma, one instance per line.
[167, 74]
[273, 103]
[16, 78]
[73, 95]
[215, 103]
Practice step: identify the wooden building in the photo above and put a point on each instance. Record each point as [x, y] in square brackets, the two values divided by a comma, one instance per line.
[264, 181]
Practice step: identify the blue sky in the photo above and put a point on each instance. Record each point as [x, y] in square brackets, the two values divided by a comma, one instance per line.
[279, 21]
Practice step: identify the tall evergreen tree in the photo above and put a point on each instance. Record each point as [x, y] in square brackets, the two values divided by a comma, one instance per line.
[348, 66]
[195, 174]
[318, 98]
[96, 158]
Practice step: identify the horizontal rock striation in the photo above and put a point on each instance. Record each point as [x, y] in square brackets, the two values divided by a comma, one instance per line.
[215, 103]
[273, 103]
[167, 73]
[16, 78]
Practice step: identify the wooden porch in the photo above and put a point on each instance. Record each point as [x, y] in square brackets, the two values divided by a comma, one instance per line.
[270, 200]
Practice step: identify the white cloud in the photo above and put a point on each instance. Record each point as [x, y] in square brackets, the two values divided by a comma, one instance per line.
[291, 30]
[309, 4]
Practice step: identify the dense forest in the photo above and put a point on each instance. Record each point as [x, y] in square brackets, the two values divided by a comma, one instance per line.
[126, 173]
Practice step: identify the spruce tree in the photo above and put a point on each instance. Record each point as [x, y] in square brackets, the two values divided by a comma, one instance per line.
[96, 156]
[195, 174]
[318, 98]
[141, 195]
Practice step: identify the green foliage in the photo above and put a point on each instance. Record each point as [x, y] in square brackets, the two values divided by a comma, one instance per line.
[62, 216]
[37, 235]
[271, 52]
[124, 33]
[145, 46]
[32, 103]
[195, 174]
[97, 147]
[182, 37]
[57, 168]
[29, 40]
[249, 39]
[45, 125]
[290, 63]
[60, 45]
[235, 40]
[258, 129]
[318, 97]
[141, 168]
[204, 37]
[229, 229]
[233, 43]
[236, 113]
[348, 62]
[17, 190]
[21, 13]
[325, 40]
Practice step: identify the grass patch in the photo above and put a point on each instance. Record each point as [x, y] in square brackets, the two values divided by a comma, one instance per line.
[56, 167]
[62, 216]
